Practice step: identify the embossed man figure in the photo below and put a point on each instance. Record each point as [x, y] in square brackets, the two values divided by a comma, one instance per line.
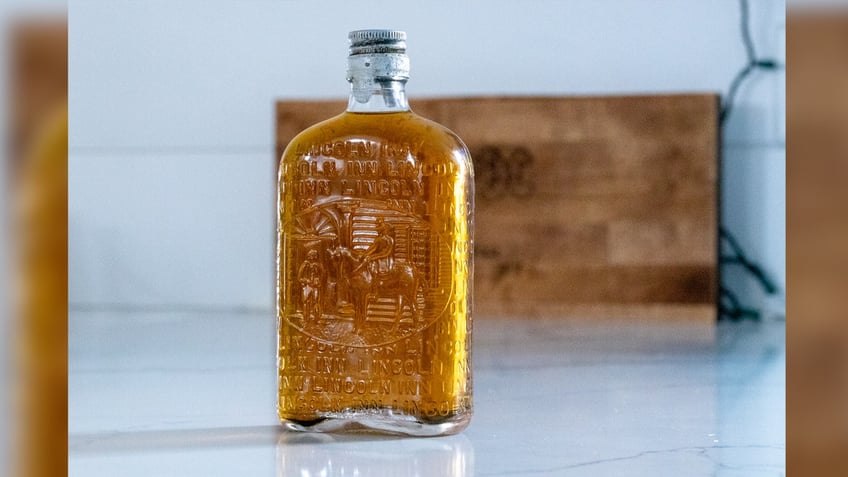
[311, 276]
[380, 255]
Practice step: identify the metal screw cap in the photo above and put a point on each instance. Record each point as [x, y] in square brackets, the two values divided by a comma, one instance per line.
[369, 42]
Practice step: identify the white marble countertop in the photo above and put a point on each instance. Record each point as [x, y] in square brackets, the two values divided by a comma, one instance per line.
[183, 394]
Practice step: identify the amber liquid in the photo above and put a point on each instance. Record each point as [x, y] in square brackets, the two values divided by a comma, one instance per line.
[375, 274]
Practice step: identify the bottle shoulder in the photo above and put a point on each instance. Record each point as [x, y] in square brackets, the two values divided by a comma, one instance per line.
[316, 132]
[405, 128]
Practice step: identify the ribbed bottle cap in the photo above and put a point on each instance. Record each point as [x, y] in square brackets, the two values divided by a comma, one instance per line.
[369, 42]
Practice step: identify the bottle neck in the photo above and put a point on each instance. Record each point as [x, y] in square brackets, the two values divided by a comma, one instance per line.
[377, 96]
[378, 82]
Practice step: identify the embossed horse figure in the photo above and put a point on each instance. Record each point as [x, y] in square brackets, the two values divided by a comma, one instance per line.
[366, 281]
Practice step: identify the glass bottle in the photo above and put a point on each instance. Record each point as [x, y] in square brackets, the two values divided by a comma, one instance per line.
[374, 260]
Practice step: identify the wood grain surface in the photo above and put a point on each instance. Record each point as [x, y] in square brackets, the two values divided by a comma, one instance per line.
[817, 234]
[586, 207]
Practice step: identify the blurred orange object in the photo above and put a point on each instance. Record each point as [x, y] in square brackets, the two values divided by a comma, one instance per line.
[39, 200]
[42, 347]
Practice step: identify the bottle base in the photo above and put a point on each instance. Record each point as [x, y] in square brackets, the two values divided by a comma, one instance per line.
[391, 424]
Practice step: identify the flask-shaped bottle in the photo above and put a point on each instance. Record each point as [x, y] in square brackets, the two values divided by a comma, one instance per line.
[374, 260]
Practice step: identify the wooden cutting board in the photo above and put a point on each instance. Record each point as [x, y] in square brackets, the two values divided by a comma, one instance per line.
[586, 207]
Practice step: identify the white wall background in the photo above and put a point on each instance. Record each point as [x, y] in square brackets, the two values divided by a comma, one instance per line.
[171, 111]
